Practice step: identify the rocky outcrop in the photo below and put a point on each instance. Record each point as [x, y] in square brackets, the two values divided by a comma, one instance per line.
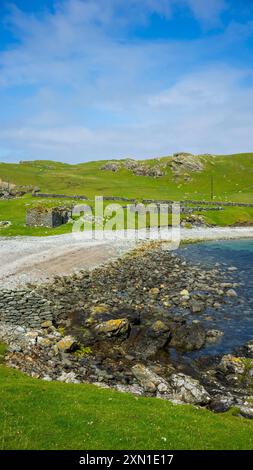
[136, 167]
[188, 390]
[184, 163]
[149, 380]
[146, 341]
[111, 166]
[178, 387]
[11, 190]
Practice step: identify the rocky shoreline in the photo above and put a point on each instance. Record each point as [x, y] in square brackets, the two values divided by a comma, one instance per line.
[128, 325]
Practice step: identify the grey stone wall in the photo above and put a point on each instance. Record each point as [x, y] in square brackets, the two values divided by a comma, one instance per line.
[25, 308]
[117, 198]
[50, 218]
[59, 196]
[55, 301]
[40, 219]
[207, 203]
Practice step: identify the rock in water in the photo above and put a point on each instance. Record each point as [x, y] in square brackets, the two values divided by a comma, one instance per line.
[116, 327]
[196, 306]
[147, 341]
[188, 337]
[213, 335]
[249, 348]
[231, 293]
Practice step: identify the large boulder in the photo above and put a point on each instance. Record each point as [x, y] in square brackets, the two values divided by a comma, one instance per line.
[148, 379]
[111, 166]
[188, 390]
[196, 306]
[237, 365]
[237, 372]
[213, 335]
[249, 348]
[68, 377]
[119, 326]
[186, 162]
[66, 344]
[148, 341]
[188, 337]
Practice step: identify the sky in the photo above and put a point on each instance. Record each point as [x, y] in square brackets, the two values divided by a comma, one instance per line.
[85, 80]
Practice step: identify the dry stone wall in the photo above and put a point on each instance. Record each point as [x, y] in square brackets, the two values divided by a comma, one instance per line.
[24, 307]
[29, 307]
[59, 196]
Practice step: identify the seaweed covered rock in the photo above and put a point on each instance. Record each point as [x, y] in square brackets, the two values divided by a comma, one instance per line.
[66, 344]
[146, 341]
[188, 337]
[119, 326]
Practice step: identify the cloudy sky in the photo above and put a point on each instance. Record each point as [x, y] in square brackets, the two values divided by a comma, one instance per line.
[95, 79]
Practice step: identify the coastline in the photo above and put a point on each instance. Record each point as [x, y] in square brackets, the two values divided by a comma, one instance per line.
[39, 259]
[135, 326]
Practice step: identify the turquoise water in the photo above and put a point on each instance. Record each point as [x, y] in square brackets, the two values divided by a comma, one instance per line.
[235, 318]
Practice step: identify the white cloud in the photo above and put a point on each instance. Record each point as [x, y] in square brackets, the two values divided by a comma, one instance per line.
[206, 111]
[207, 11]
[78, 91]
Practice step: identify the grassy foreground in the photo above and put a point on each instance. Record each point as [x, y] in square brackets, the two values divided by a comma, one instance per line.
[40, 415]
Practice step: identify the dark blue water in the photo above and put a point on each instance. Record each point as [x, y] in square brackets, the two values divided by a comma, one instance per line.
[235, 318]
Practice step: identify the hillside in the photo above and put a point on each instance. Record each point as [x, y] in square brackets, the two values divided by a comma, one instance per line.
[159, 178]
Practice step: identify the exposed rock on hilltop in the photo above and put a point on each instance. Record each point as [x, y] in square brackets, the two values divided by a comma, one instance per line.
[111, 166]
[181, 164]
[10, 190]
[137, 168]
[142, 169]
[186, 162]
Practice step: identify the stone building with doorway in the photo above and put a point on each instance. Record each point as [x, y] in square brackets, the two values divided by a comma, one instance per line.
[48, 216]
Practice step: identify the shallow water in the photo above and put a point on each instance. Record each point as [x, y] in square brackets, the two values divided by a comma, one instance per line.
[235, 318]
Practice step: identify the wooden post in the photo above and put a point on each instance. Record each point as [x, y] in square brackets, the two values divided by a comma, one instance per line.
[212, 191]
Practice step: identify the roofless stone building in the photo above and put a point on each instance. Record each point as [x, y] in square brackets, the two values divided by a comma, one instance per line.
[47, 216]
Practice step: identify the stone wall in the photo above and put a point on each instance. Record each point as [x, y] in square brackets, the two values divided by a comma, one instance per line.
[59, 196]
[47, 218]
[207, 203]
[55, 301]
[25, 308]
[36, 218]
[118, 198]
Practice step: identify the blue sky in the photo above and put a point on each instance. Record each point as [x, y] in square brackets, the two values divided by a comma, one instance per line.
[95, 79]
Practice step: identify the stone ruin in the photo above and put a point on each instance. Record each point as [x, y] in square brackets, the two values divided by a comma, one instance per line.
[48, 216]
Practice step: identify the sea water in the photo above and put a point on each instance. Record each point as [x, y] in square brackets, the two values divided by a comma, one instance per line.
[235, 318]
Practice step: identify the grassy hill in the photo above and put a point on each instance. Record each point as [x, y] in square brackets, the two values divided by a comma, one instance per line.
[232, 177]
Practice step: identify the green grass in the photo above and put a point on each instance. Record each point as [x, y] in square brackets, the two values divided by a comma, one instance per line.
[41, 415]
[3, 349]
[233, 176]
